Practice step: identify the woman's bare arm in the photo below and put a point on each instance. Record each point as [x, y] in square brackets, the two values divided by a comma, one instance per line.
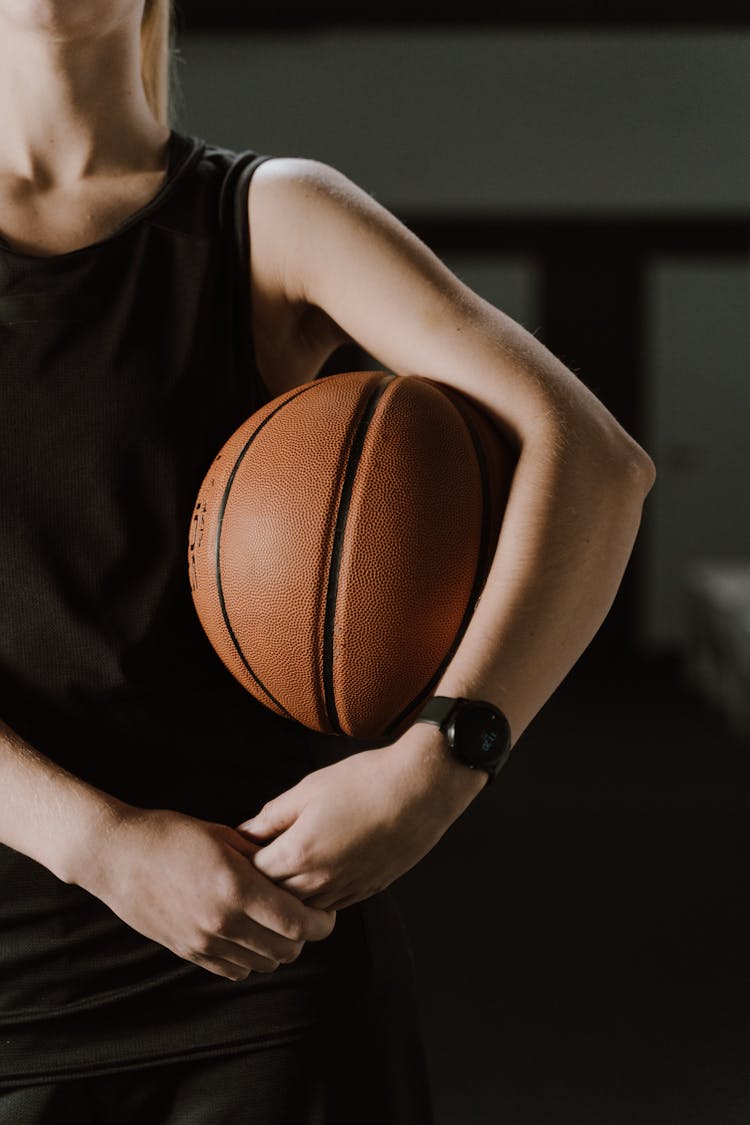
[49, 814]
[181, 881]
[568, 529]
[578, 489]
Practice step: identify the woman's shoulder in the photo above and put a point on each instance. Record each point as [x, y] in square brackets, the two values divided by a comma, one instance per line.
[293, 336]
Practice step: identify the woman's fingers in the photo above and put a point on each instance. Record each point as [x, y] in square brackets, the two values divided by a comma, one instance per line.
[236, 960]
[182, 882]
[221, 967]
[278, 910]
[261, 948]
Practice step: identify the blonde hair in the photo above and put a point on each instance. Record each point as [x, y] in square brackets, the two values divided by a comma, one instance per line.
[158, 56]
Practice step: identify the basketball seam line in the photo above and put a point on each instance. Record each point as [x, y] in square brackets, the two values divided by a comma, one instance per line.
[355, 455]
[222, 509]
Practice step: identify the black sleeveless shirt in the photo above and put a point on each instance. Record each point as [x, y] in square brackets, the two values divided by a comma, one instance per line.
[124, 366]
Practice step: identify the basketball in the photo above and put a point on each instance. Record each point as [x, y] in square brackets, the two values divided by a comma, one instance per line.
[340, 542]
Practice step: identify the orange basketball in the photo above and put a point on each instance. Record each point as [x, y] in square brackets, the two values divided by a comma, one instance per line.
[340, 541]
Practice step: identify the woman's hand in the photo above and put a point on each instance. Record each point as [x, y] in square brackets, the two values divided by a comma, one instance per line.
[348, 830]
[190, 885]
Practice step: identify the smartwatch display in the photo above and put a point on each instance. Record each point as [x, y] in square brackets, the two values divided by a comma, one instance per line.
[477, 732]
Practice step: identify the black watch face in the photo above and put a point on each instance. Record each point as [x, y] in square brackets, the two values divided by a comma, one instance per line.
[481, 734]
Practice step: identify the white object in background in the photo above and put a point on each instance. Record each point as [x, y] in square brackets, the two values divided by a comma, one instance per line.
[697, 401]
[717, 650]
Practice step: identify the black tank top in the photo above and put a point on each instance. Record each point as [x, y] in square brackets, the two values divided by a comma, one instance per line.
[124, 366]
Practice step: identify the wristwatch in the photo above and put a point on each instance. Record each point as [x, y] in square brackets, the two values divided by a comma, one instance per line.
[477, 732]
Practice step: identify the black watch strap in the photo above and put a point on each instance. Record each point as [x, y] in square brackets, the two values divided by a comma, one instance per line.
[439, 710]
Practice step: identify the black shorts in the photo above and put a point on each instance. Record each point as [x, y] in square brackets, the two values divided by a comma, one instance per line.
[282, 1085]
[371, 1073]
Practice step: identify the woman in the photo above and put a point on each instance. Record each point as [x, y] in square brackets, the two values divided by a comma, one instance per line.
[164, 958]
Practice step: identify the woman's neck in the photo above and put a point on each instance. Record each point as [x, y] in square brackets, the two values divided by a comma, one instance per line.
[72, 104]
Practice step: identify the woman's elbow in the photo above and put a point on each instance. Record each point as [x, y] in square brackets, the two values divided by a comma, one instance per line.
[640, 468]
[623, 453]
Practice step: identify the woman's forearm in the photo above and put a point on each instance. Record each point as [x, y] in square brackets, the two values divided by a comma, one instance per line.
[571, 520]
[46, 812]
[177, 880]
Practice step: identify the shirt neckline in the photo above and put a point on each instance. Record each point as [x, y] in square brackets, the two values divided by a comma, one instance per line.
[182, 150]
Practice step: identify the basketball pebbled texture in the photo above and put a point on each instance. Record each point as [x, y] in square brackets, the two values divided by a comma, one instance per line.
[340, 541]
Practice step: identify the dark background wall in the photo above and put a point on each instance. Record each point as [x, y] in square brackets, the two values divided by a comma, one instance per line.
[580, 934]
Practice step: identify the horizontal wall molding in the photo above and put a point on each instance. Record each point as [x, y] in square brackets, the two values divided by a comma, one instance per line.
[238, 15]
[726, 235]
